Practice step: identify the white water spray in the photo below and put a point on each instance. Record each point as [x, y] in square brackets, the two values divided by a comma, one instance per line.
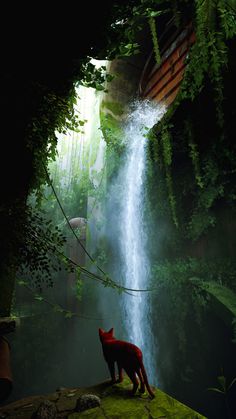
[136, 309]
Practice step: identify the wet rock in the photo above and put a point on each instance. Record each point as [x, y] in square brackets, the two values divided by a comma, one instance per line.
[46, 410]
[87, 401]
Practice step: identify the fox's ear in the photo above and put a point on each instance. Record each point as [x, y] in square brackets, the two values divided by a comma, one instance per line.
[100, 331]
[111, 331]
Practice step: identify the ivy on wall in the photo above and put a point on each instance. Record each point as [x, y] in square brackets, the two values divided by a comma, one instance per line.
[214, 24]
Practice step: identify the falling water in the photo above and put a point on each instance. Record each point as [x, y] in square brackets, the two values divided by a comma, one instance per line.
[133, 238]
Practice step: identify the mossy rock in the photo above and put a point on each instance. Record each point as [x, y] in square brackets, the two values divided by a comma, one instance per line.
[117, 402]
[116, 108]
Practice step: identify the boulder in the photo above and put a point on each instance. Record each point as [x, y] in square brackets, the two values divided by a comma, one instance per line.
[81, 224]
[87, 401]
[46, 410]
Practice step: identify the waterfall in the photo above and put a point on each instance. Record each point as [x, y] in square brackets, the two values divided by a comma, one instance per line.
[133, 239]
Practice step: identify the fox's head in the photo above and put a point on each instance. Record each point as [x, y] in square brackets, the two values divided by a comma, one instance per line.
[104, 336]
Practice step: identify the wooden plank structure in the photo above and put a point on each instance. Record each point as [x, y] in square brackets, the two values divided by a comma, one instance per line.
[5, 369]
[161, 83]
[7, 325]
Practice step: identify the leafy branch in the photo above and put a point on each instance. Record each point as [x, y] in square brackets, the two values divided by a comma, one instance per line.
[58, 308]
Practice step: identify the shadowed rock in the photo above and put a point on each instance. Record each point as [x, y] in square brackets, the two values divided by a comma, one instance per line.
[46, 410]
[87, 401]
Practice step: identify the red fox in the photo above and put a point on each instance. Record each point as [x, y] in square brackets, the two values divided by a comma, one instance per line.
[128, 357]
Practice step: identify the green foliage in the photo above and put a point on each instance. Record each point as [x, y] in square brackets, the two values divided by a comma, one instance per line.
[73, 197]
[115, 107]
[160, 148]
[112, 132]
[212, 187]
[199, 223]
[167, 159]
[39, 260]
[215, 23]
[154, 152]
[223, 389]
[152, 25]
[203, 216]
[114, 137]
[130, 18]
[53, 110]
[211, 152]
[166, 146]
[95, 77]
[172, 200]
[79, 286]
[194, 153]
[182, 269]
[55, 113]
[186, 276]
[179, 281]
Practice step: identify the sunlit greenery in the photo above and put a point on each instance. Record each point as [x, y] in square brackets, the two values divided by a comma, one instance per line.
[214, 24]
[189, 170]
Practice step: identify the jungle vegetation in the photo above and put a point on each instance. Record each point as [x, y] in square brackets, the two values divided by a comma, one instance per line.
[191, 152]
[185, 154]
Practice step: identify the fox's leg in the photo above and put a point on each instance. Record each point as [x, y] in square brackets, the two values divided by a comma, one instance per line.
[120, 370]
[111, 366]
[133, 377]
[142, 385]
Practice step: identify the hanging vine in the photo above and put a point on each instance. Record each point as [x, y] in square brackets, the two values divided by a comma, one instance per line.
[194, 154]
[167, 159]
[214, 24]
[152, 25]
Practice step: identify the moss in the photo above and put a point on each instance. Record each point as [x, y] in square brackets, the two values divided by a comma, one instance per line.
[95, 413]
[116, 403]
[111, 124]
[115, 107]
[110, 127]
[113, 135]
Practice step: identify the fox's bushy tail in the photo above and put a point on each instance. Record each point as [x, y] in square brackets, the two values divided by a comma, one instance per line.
[145, 379]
